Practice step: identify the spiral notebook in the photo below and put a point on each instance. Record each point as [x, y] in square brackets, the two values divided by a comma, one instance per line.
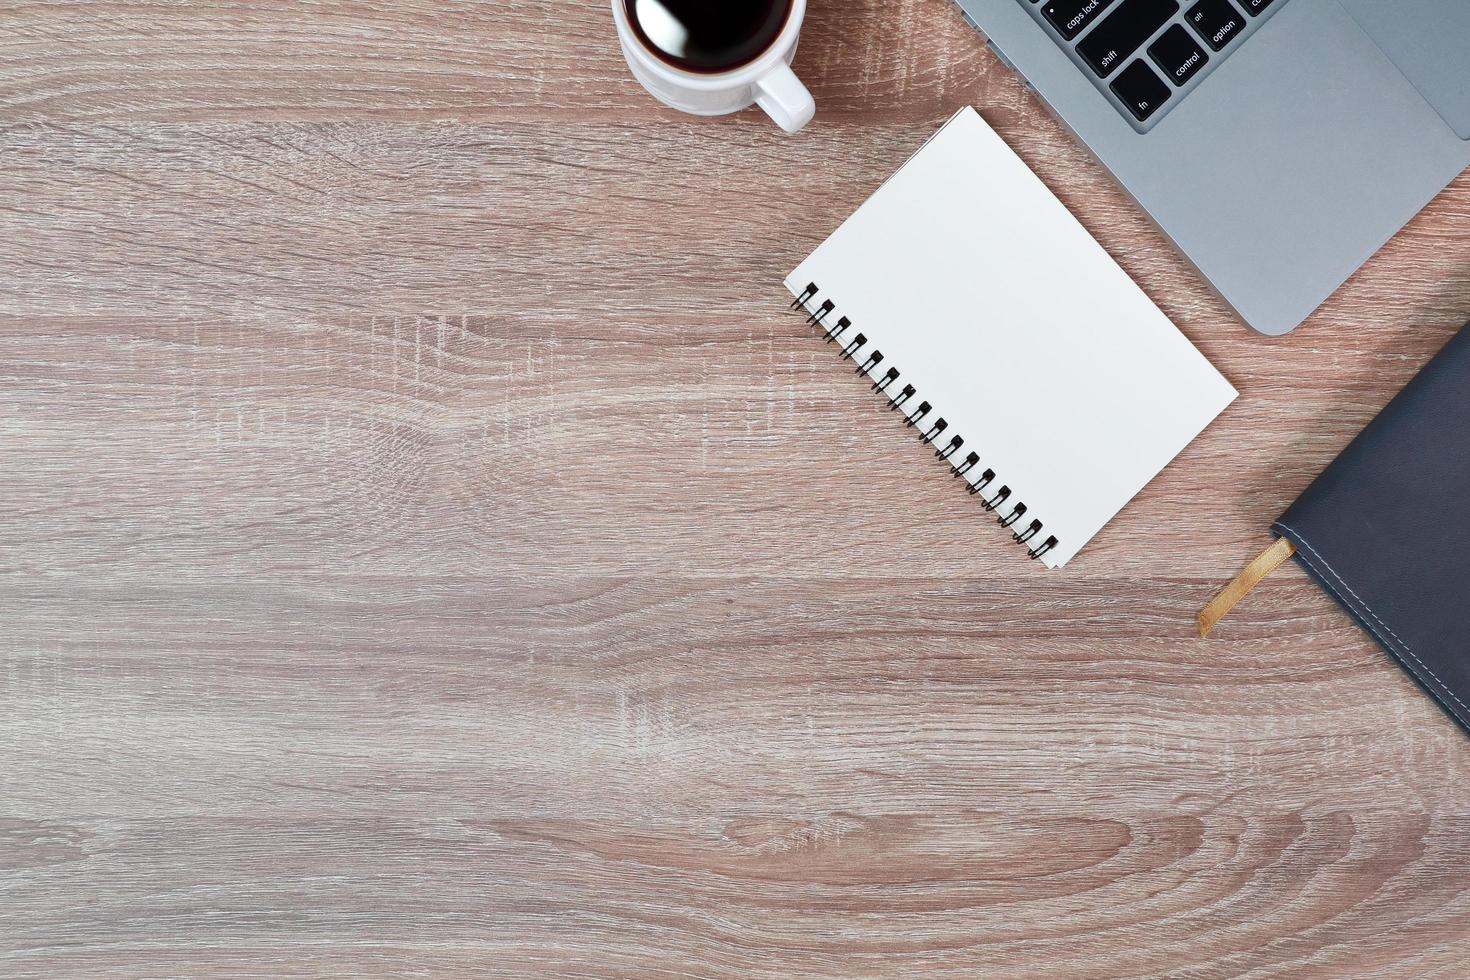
[1008, 340]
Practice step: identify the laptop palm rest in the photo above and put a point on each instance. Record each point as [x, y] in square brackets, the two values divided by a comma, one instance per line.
[1426, 40]
[1321, 114]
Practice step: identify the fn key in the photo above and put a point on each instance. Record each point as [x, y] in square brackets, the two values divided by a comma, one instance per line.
[1141, 90]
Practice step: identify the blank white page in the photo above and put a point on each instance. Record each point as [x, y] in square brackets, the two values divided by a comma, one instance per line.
[987, 295]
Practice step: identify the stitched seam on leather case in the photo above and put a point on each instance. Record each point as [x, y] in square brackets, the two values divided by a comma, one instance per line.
[1397, 640]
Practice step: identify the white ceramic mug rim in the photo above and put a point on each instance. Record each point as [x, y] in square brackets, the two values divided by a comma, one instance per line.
[744, 75]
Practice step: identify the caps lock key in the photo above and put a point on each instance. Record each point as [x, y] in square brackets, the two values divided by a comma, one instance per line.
[1071, 17]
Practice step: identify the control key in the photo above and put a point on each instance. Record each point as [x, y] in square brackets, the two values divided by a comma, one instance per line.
[1178, 54]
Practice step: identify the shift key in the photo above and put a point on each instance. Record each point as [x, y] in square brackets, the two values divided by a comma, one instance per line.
[1123, 32]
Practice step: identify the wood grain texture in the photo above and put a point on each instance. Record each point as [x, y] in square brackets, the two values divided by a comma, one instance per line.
[426, 548]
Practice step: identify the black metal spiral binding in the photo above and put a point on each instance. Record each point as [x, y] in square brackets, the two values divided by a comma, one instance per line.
[932, 430]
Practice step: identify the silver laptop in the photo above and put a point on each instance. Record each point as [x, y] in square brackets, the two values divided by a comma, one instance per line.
[1278, 143]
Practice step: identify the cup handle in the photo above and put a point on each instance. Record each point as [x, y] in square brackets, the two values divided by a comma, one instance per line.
[784, 98]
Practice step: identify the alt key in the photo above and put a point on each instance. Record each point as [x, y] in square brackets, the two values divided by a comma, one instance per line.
[1141, 90]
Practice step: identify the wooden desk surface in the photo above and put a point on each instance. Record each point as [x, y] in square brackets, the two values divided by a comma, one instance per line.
[428, 548]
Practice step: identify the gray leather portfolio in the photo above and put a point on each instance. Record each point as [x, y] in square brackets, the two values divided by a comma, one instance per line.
[1386, 528]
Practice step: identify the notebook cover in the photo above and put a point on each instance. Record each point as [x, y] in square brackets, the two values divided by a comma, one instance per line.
[1386, 528]
[964, 281]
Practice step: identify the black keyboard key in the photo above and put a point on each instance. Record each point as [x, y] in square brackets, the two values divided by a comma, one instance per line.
[1141, 90]
[1254, 7]
[1123, 32]
[1178, 54]
[1217, 21]
[1071, 17]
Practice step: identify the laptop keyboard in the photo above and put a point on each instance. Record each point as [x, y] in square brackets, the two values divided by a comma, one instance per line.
[1147, 53]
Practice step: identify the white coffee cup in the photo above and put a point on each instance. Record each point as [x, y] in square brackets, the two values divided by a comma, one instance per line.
[767, 81]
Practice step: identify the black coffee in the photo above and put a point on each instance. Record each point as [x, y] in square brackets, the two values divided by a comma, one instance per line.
[707, 35]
